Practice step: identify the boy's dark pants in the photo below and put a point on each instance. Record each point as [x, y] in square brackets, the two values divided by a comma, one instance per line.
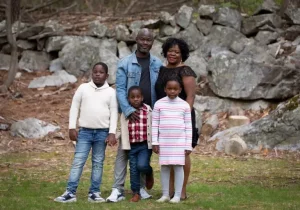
[139, 161]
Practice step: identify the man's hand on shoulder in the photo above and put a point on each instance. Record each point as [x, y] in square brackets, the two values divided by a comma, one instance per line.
[133, 117]
[73, 134]
[111, 139]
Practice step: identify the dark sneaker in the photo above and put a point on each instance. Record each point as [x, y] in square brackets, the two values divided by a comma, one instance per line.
[67, 197]
[95, 198]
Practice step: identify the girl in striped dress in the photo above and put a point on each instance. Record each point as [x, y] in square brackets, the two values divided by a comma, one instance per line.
[171, 137]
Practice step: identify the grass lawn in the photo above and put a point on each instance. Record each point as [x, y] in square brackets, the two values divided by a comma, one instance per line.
[33, 180]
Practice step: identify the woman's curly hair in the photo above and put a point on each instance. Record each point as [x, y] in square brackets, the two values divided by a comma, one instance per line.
[183, 46]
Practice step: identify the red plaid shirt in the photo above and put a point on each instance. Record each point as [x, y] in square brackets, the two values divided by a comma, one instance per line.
[138, 130]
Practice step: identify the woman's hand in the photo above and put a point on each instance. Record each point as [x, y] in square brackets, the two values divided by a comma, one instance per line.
[155, 149]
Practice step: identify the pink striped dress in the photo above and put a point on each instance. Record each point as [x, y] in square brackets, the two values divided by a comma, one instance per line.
[172, 130]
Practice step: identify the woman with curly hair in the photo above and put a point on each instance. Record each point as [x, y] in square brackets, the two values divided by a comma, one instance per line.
[176, 51]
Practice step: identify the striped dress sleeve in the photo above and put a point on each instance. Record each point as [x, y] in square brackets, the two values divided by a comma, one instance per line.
[155, 124]
[188, 127]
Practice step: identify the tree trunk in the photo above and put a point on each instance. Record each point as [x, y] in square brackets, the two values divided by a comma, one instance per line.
[12, 13]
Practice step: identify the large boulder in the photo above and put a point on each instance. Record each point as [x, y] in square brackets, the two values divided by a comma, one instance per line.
[34, 61]
[254, 74]
[221, 37]
[97, 29]
[30, 31]
[268, 6]
[207, 11]
[204, 25]
[184, 16]
[32, 128]
[266, 37]
[280, 129]
[111, 60]
[228, 17]
[79, 57]
[213, 105]
[123, 49]
[4, 61]
[197, 63]
[21, 45]
[293, 12]
[168, 30]
[252, 24]
[192, 36]
[57, 79]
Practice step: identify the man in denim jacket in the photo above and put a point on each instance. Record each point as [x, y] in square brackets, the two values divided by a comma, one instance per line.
[140, 68]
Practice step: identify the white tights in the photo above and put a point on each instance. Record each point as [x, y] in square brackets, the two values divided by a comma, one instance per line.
[165, 179]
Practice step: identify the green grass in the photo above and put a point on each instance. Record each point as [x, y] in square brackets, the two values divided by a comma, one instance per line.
[33, 180]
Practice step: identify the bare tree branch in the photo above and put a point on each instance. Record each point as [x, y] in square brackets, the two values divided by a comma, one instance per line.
[46, 4]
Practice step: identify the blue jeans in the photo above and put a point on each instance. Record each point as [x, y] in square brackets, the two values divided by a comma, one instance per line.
[139, 162]
[87, 139]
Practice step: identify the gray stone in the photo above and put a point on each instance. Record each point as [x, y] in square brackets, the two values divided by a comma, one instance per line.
[235, 146]
[79, 57]
[214, 105]
[296, 41]
[252, 24]
[110, 33]
[122, 33]
[253, 74]
[56, 65]
[21, 44]
[112, 61]
[34, 61]
[204, 25]
[53, 26]
[56, 43]
[237, 46]
[293, 12]
[109, 44]
[2, 25]
[197, 63]
[30, 31]
[268, 6]
[292, 33]
[166, 18]
[280, 129]
[228, 17]
[207, 10]
[123, 50]
[184, 16]
[152, 23]
[136, 25]
[57, 79]
[192, 36]
[266, 37]
[221, 36]
[157, 49]
[168, 30]
[97, 29]
[32, 128]
[4, 61]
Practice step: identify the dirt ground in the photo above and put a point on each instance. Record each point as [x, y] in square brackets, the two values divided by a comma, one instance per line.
[52, 104]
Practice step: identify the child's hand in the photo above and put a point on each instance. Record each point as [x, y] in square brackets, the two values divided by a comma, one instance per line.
[155, 149]
[188, 152]
[73, 134]
[111, 139]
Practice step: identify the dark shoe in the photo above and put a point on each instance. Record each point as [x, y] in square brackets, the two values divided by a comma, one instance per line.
[135, 198]
[149, 181]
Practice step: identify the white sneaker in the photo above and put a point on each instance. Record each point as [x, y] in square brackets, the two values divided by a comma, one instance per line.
[115, 196]
[95, 198]
[175, 199]
[67, 197]
[144, 194]
[163, 199]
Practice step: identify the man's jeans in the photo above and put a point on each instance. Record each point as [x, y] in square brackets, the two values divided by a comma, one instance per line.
[87, 139]
[139, 161]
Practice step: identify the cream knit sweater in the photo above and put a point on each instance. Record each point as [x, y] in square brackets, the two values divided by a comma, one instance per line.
[97, 106]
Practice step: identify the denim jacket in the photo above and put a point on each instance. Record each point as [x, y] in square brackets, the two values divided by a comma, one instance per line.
[129, 74]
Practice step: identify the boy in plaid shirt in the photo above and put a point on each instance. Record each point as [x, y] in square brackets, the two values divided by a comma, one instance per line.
[138, 133]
